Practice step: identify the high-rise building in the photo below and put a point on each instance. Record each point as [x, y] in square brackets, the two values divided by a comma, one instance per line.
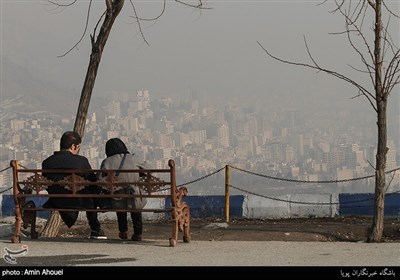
[114, 109]
[223, 135]
[198, 136]
[143, 99]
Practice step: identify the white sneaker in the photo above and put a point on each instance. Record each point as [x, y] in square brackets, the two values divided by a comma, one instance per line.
[97, 234]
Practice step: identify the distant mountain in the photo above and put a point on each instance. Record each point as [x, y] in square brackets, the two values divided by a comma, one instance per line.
[22, 91]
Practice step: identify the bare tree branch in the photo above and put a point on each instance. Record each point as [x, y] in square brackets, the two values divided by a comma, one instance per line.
[389, 11]
[364, 91]
[138, 21]
[372, 4]
[109, 5]
[357, 30]
[199, 6]
[62, 5]
[84, 31]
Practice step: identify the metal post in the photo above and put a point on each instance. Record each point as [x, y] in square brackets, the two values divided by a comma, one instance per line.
[227, 184]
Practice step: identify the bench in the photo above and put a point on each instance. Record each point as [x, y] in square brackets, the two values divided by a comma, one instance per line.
[29, 184]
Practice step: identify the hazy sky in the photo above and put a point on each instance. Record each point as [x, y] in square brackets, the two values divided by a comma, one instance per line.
[212, 52]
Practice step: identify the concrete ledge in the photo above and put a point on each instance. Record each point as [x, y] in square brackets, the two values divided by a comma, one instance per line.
[7, 226]
[254, 206]
[315, 205]
[363, 204]
[152, 203]
[6, 230]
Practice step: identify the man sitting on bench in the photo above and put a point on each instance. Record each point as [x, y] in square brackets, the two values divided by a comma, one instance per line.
[68, 158]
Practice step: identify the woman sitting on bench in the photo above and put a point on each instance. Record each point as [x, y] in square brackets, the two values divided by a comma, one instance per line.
[118, 157]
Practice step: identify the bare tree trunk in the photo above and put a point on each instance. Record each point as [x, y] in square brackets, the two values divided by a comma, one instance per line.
[113, 9]
[376, 231]
[52, 225]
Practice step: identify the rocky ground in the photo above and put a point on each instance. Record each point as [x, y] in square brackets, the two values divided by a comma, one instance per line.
[340, 229]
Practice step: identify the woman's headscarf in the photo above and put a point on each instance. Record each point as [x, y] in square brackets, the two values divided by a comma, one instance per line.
[115, 146]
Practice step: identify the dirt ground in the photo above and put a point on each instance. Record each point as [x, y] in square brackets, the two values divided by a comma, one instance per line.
[340, 229]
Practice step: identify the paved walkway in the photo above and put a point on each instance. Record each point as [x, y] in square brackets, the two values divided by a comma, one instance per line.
[86, 252]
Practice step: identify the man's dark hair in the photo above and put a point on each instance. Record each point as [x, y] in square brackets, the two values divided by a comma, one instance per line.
[68, 139]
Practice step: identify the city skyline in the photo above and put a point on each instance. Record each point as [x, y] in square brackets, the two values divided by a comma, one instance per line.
[202, 139]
